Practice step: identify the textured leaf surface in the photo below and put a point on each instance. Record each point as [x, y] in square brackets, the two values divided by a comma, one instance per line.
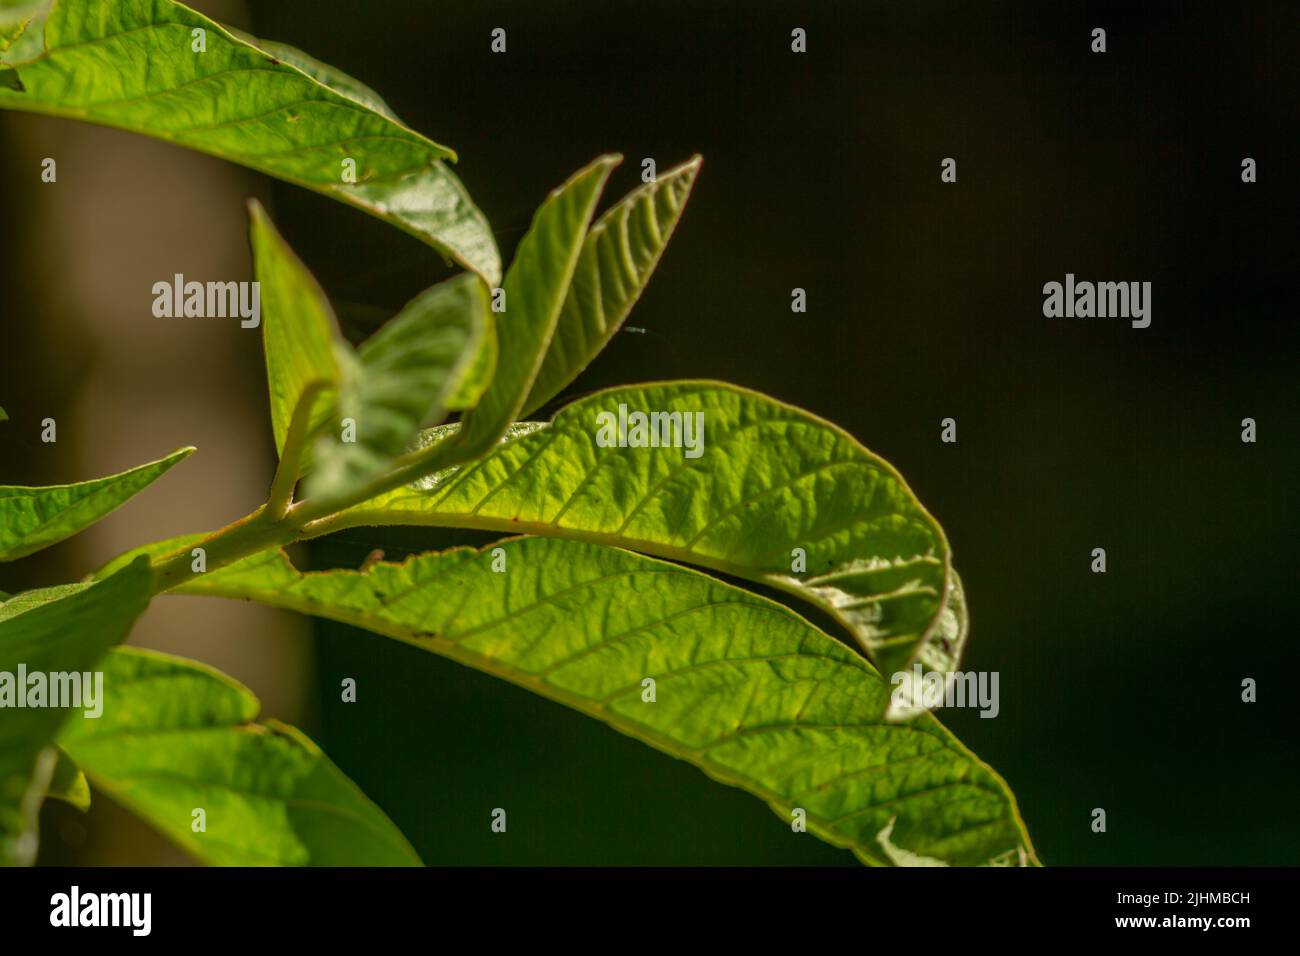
[535, 287]
[130, 64]
[744, 689]
[13, 22]
[176, 735]
[298, 328]
[401, 378]
[58, 630]
[35, 518]
[618, 256]
[770, 478]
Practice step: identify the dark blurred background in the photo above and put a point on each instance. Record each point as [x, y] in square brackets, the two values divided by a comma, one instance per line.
[821, 170]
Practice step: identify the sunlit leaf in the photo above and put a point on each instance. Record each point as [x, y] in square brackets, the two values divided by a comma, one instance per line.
[35, 518]
[298, 329]
[773, 489]
[535, 287]
[176, 736]
[136, 65]
[618, 257]
[401, 378]
[58, 631]
[742, 688]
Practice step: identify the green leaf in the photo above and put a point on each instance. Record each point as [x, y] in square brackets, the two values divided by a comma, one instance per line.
[177, 736]
[298, 329]
[618, 257]
[4, 416]
[63, 631]
[479, 376]
[152, 551]
[400, 379]
[130, 64]
[769, 478]
[68, 783]
[35, 518]
[535, 287]
[746, 690]
[322, 73]
[21, 26]
[13, 22]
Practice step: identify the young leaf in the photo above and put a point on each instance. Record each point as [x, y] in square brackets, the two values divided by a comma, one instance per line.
[400, 379]
[298, 329]
[618, 257]
[159, 68]
[769, 479]
[535, 287]
[59, 631]
[176, 737]
[35, 518]
[479, 377]
[743, 688]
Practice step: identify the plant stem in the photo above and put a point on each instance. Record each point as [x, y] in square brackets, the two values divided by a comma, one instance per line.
[295, 443]
[278, 523]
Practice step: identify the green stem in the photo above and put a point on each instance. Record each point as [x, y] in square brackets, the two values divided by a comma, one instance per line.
[295, 443]
[265, 528]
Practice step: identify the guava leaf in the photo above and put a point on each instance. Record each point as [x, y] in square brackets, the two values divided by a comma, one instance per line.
[618, 256]
[132, 64]
[69, 784]
[769, 479]
[152, 551]
[535, 287]
[177, 736]
[35, 518]
[14, 19]
[58, 631]
[401, 378]
[330, 76]
[479, 376]
[299, 329]
[744, 689]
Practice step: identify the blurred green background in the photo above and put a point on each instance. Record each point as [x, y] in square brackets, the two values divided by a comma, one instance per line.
[821, 171]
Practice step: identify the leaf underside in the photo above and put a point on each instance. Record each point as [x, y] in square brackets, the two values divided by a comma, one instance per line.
[535, 287]
[402, 377]
[744, 689]
[770, 478]
[618, 256]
